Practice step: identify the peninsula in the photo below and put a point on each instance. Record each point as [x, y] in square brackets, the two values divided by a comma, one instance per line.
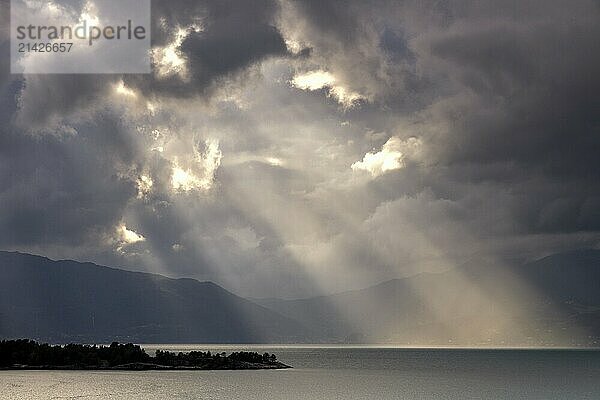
[29, 354]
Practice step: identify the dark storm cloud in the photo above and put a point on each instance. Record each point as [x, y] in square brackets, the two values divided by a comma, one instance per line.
[334, 18]
[366, 46]
[530, 103]
[234, 35]
[213, 53]
[45, 99]
[538, 92]
[61, 192]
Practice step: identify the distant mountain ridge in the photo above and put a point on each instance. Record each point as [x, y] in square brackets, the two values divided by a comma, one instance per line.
[554, 301]
[68, 301]
[551, 301]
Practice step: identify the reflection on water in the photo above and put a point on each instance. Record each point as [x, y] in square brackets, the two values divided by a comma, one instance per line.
[337, 373]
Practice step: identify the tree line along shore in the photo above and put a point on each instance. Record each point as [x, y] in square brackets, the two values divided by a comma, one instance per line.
[29, 354]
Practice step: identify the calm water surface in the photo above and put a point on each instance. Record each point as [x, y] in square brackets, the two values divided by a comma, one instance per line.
[336, 373]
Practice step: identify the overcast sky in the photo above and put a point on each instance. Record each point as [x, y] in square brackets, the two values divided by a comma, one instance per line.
[295, 147]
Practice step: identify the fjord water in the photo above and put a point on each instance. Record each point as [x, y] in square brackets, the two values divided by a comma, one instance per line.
[336, 373]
